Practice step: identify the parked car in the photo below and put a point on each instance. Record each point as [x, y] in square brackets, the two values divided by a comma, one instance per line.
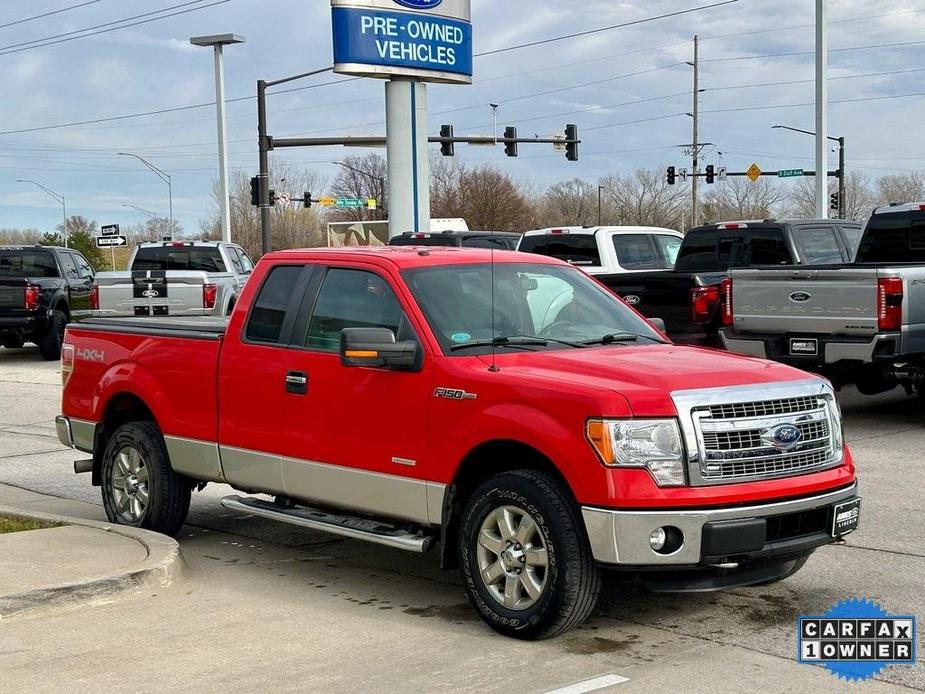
[42, 289]
[448, 398]
[862, 322]
[688, 297]
[499, 240]
[177, 278]
[603, 251]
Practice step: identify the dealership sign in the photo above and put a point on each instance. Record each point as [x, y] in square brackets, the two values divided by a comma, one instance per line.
[429, 40]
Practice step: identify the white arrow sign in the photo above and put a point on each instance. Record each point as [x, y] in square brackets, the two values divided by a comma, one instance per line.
[107, 241]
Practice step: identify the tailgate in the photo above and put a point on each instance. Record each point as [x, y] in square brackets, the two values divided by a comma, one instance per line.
[12, 296]
[152, 293]
[840, 301]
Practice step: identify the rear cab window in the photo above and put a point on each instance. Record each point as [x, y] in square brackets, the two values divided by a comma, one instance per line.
[893, 237]
[640, 252]
[820, 245]
[580, 250]
[21, 263]
[166, 258]
[717, 250]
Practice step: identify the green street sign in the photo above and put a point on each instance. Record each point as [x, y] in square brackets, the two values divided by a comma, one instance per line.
[350, 202]
[789, 173]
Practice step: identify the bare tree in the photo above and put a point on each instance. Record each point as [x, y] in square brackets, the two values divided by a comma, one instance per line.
[363, 178]
[571, 203]
[904, 187]
[20, 237]
[859, 197]
[644, 198]
[739, 198]
[484, 196]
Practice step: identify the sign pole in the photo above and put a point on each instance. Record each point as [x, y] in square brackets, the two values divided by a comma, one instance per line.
[822, 59]
[406, 149]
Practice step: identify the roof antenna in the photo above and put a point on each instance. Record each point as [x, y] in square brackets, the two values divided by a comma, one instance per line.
[494, 368]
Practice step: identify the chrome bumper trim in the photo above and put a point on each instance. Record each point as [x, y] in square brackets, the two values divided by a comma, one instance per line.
[622, 537]
[63, 427]
[76, 433]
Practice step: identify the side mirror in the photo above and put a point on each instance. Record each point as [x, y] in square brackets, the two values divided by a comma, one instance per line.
[658, 323]
[377, 348]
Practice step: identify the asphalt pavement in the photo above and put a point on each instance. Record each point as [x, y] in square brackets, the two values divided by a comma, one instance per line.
[272, 607]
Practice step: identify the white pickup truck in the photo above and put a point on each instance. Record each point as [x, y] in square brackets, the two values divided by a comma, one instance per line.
[175, 278]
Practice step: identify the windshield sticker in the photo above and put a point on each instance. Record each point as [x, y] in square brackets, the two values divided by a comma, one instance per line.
[460, 337]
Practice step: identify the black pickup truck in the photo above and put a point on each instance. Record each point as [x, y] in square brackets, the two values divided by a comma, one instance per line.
[689, 297]
[42, 288]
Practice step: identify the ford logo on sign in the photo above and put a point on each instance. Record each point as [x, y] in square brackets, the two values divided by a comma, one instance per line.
[783, 436]
[419, 4]
[800, 297]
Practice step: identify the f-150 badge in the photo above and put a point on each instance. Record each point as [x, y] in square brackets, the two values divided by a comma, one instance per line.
[453, 394]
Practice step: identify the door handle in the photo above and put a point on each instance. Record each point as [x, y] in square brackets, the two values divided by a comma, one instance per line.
[297, 382]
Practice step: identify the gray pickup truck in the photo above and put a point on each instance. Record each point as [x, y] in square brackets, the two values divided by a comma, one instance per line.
[175, 278]
[862, 322]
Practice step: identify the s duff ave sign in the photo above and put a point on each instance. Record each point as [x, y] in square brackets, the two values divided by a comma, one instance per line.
[425, 39]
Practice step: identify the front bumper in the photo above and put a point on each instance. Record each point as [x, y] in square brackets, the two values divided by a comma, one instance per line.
[715, 536]
[832, 349]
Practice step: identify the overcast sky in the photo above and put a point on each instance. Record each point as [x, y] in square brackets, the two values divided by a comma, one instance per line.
[626, 121]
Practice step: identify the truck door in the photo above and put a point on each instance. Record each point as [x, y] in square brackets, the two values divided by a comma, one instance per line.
[79, 276]
[354, 437]
[252, 383]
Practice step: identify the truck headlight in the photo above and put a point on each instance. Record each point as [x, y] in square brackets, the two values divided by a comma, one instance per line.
[654, 444]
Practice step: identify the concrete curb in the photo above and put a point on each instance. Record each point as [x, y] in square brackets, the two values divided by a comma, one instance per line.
[163, 565]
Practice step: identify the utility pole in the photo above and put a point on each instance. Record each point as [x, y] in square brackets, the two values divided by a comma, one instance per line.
[822, 97]
[695, 150]
[842, 203]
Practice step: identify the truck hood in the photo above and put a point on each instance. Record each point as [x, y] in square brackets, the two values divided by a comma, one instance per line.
[647, 375]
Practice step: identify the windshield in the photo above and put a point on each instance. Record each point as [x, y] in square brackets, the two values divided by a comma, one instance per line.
[551, 302]
[200, 258]
[19, 264]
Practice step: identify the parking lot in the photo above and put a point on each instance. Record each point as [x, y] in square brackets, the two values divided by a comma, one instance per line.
[263, 602]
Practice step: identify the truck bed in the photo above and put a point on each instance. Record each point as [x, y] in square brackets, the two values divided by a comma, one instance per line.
[195, 327]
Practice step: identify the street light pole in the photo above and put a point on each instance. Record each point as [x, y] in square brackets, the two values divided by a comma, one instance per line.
[164, 176]
[600, 208]
[822, 97]
[59, 198]
[841, 164]
[217, 42]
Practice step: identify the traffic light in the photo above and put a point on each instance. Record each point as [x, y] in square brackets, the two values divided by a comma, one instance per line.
[834, 202]
[255, 191]
[306, 200]
[571, 146]
[510, 148]
[272, 201]
[711, 173]
[671, 176]
[447, 149]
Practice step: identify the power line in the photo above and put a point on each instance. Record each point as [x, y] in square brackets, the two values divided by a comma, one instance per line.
[799, 53]
[69, 36]
[49, 14]
[812, 103]
[807, 81]
[667, 15]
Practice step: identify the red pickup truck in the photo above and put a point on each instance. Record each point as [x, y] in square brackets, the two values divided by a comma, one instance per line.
[502, 406]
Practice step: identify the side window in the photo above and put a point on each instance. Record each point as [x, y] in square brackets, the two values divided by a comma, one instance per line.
[669, 246]
[820, 244]
[245, 260]
[84, 271]
[265, 323]
[636, 252]
[235, 259]
[68, 265]
[852, 239]
[353, 299]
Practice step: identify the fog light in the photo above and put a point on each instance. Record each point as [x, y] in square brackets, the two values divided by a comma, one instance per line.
[657, 539]
[666, 540]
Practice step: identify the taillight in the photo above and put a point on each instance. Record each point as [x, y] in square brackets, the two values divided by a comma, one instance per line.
[209, 294]
[31, 295]
[67, 362]
[703, 303]
[889, 303]
[95, 297]
[726, 305]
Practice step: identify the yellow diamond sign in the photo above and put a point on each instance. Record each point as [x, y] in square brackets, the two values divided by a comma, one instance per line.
[754, 173]
[327, 201]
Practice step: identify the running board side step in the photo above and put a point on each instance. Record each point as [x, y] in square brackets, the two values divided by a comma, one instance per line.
[353, 527]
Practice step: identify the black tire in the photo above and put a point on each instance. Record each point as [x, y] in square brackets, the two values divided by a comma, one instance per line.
[50, 343]
[167, 494]
[572, 580]
[13, 342]
[796, 567]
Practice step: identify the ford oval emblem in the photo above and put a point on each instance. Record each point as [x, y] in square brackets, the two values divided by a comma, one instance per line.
[419, 4]
[800, 297]
[632, 299]
[784, 436]
[149, 293]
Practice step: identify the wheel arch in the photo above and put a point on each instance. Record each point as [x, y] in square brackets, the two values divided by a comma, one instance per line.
[122, 407]
[487, 460]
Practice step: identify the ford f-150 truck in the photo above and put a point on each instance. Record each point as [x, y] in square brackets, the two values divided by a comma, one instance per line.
[688, 297]
[862, 322]
[503, 406]
[41, 289]
[176, 278]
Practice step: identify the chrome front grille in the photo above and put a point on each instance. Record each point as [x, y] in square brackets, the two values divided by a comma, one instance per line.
[735, 439]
